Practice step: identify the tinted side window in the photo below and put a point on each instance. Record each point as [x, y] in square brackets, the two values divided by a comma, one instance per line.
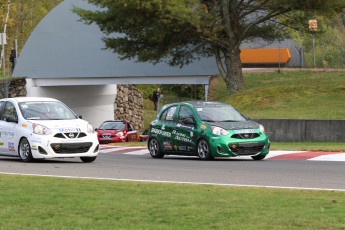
[168, 114]
[9, 111]
[184, 113]
[2, 104]
[130, 127]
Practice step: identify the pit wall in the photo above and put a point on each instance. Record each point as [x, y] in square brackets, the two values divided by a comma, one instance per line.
[301, 130]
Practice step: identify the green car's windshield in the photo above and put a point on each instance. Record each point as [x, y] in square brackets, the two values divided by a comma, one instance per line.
[220, 113]
[45, 110]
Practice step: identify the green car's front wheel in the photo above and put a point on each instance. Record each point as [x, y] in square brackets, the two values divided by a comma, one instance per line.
[204, 151]
[154, 148]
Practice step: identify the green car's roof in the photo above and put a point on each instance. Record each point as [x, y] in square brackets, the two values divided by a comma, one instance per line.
[201, 103]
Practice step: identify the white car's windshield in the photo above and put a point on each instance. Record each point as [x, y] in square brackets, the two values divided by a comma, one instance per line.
[219, 113]
[45, 110]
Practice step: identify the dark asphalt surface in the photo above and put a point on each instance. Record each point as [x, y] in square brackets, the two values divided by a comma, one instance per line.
[285, 173]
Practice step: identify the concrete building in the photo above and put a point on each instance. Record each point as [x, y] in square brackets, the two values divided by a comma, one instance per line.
[65, 59]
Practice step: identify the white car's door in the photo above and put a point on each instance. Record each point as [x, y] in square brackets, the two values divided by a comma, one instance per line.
[8, 129]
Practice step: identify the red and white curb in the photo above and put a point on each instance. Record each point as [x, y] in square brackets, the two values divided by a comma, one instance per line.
[306, 155]
[273, 155]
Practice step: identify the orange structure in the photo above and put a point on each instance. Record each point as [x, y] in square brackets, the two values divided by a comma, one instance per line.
[265, 56]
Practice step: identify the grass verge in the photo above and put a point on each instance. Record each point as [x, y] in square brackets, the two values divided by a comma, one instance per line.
[56, 203]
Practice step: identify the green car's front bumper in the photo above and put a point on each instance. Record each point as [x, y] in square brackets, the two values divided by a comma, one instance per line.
[227, 146]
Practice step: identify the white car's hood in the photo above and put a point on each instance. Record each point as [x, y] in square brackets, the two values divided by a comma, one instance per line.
[63, 126]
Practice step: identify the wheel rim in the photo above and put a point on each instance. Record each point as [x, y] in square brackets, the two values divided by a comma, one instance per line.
[203, 149]
[24, 149]
[153, 147]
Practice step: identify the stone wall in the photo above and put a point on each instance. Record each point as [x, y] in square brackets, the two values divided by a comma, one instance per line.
[129, 105]
[16, 88]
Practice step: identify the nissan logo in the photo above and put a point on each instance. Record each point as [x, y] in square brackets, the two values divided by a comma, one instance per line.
[71, 135]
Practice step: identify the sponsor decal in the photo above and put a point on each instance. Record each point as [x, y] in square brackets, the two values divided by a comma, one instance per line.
[24, 126]
[184, 126]
[69, 130]
[171, 113]
[181, 137]
[203, 126]
[182, 148]
[161, 132]
[34, 147]
[163, 127]
[36, 141]
[244, 131]
[175, 147]
[7, 135]
[11, 147]
[167, 146]
[154, 121]
[191, 134]
[1, 143]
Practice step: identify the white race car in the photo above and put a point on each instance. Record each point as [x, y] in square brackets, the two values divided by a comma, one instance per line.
[39, 127]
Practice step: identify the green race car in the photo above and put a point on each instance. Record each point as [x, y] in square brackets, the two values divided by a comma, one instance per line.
[207, 130]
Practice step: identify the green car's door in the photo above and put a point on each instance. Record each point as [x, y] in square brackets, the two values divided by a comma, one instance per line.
[163, 128]
[184, 133]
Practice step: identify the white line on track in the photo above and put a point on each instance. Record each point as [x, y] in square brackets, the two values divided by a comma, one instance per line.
[177, 182]
[139, 152]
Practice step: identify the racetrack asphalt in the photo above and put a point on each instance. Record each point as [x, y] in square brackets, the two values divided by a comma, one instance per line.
[273, 155]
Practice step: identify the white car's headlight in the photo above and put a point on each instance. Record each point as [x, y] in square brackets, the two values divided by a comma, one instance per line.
[262, 129]
[119, 134]
[40, 129]
[219, 131]
[90, 128]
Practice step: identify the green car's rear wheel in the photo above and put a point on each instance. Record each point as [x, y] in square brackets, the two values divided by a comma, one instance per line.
[204, 151]
[154, 148]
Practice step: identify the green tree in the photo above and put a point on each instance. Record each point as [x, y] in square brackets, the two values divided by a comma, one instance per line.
[24, 15]
[179, 32]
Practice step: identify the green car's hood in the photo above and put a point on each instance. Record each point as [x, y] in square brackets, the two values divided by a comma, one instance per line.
[235, 125]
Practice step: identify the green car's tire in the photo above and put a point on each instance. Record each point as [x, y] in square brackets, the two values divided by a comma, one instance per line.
[259, 157]
[203, 150]
[25, 150]
[154, 148]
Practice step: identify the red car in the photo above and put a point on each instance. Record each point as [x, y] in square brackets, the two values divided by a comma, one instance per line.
[116, 131]
[144, 136]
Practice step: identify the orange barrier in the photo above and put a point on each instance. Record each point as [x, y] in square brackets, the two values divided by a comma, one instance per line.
[265, 56]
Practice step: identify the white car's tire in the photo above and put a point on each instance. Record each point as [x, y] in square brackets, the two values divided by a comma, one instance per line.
[88, 159]
[24, 150]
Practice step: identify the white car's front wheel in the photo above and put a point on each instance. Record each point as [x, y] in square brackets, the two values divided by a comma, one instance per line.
[25, 150]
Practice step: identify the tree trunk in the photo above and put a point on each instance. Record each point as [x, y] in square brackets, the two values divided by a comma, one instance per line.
[234, 76]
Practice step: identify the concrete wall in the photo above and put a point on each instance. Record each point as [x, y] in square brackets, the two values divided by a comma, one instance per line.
[94, 103]
[290, 130]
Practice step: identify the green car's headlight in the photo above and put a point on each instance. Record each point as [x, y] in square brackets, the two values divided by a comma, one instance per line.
[262, 129]
[219, 131]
